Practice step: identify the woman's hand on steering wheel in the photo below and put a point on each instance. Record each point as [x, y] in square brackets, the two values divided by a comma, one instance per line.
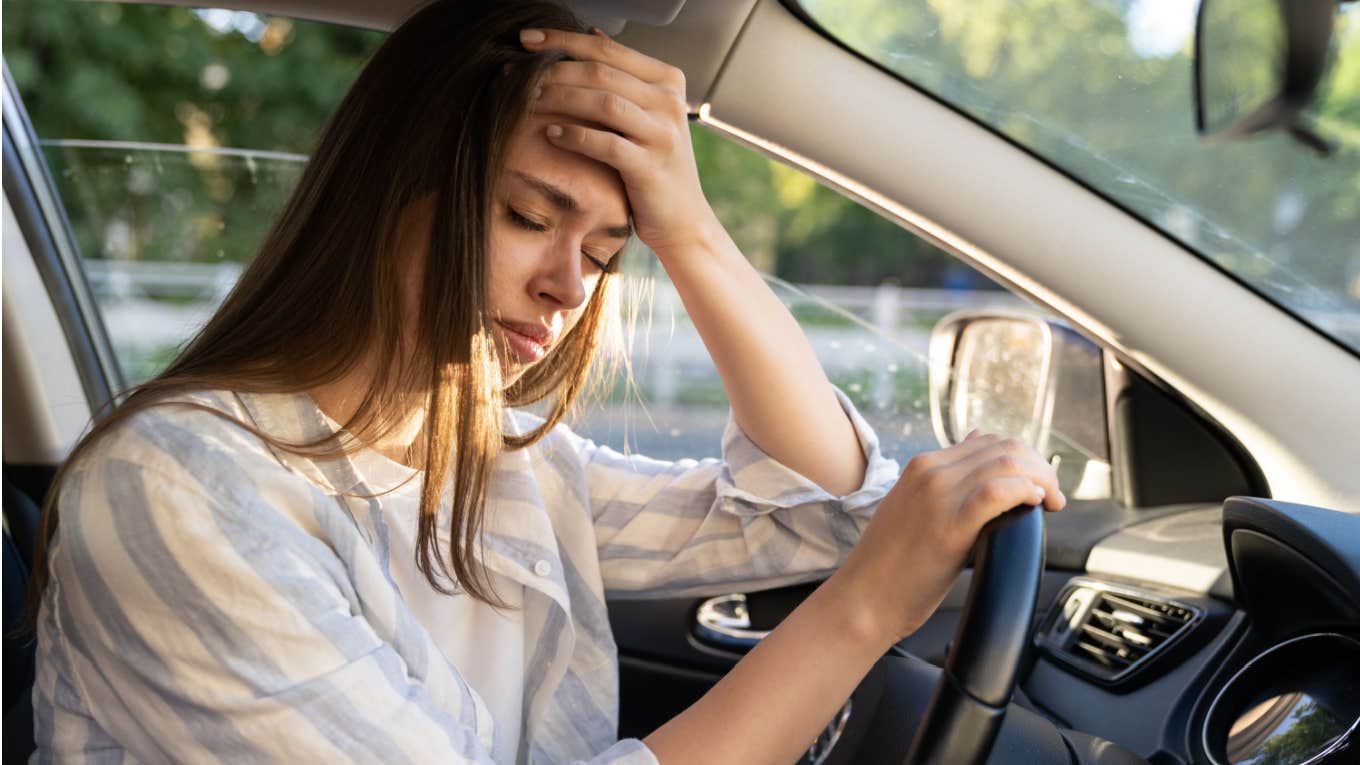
[636, 121]
[925, 527]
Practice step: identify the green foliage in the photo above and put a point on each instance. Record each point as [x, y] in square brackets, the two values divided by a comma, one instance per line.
[1102, 89]
[160, 75]
[142, 73]
[792, 227]
[181, 91]
[1312, 728]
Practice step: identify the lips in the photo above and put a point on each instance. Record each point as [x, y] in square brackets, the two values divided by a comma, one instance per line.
[529, 342]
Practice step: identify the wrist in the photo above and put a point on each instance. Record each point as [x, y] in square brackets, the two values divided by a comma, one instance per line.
[848, 600]
[701, 238]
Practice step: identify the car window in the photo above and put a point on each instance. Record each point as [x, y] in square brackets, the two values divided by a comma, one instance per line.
[866, 292]
[1102, 90]
[174, 137]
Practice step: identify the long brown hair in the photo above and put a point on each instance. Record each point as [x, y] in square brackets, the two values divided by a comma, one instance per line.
[429, 117]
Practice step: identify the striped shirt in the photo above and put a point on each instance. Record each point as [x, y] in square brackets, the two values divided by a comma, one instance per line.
[215, 599]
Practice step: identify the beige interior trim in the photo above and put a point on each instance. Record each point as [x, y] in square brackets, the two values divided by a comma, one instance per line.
[44, 405]
[697, 42]
[1276, 385]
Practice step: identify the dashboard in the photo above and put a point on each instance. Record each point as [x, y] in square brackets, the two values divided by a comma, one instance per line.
[1223, 635]
[1198, 634]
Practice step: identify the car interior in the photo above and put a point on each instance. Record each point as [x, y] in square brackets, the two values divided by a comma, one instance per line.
[1201, 605]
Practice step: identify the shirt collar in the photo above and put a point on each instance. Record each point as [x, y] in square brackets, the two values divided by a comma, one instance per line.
[517, 529]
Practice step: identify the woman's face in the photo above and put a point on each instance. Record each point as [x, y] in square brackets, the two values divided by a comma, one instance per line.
[558, 220]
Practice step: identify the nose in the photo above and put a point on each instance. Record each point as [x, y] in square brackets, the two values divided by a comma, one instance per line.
[558, 279]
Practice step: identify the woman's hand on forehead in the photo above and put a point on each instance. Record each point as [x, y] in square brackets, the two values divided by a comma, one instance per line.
[638, 124]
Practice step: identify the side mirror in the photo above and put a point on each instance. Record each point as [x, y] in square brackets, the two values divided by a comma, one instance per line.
[1258, 64]
[1113, 434]
[1027, 378]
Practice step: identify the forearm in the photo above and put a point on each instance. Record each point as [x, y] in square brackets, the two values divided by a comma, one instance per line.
[779, 394]
[772, 705]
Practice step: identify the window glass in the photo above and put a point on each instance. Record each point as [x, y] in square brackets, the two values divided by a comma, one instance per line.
[866, 292]
[1103, 90]
[174, 136]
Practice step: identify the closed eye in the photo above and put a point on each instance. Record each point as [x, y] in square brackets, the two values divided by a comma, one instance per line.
[524, 222]
[530, 224]
[603, 266]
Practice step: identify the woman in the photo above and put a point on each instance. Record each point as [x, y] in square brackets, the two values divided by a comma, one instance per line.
[321, 534]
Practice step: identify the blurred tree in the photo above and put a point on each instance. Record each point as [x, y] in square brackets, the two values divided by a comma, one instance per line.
[220, 80]
[158, 82]
[170, 75]
[1102, 89]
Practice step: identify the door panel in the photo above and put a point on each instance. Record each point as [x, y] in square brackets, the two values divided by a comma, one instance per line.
[664, 666]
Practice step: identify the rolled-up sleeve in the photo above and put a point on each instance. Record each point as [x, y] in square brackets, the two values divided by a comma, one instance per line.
[670, 529]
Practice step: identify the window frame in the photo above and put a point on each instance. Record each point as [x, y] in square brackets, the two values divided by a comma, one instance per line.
[52, 245]
[795, 7]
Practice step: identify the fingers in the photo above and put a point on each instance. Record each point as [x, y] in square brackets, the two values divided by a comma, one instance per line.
[1010, 458]
[599, 47]
[595, 75]
[976, 440]
[995, 497]
[937, 465]
[601, 145]
[601, 107]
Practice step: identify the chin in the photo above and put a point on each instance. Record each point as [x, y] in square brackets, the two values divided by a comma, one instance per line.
[511, 371]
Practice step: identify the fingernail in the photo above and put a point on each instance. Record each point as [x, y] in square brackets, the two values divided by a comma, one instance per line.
[597, 31]
[1040, 491]
[538, 92]
[554, 131]
[532, 36]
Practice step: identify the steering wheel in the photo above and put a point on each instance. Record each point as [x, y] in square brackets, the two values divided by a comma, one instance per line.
[969, 703]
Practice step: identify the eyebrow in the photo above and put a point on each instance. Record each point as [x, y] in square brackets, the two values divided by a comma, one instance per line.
[567, 203]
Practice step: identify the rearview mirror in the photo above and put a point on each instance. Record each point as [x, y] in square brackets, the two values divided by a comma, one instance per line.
[1258, 64]
[1024, 377]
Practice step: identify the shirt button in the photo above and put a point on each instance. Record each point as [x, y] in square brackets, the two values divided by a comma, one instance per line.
[543, 568]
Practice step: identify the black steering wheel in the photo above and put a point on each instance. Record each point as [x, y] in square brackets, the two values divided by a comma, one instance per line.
[957, 712]
[965, 712]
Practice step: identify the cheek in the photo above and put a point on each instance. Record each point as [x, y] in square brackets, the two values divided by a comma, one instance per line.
[509, 262]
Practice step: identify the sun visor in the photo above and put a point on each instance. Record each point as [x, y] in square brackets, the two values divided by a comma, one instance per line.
[612, 15]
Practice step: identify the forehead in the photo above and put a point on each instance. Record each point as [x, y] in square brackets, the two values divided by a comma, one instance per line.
[597, 187]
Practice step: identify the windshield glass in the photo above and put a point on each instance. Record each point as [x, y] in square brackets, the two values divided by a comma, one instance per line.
[1103, 90]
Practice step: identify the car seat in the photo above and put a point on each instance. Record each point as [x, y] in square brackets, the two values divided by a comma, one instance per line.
[21, 523]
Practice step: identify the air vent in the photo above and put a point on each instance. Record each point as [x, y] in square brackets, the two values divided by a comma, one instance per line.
[1110, 633]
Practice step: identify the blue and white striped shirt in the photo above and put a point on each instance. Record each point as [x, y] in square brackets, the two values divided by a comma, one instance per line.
[213, 599]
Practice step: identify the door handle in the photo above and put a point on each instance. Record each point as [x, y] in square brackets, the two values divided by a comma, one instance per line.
[724, 621]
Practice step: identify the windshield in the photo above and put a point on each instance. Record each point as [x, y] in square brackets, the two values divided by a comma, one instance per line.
[1103, 90]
